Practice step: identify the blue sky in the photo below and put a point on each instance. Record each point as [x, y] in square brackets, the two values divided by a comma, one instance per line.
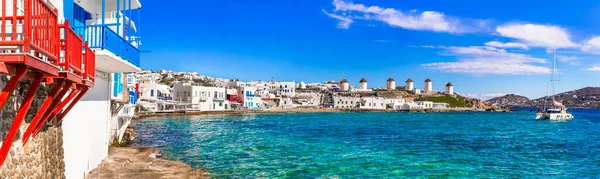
[483, 48]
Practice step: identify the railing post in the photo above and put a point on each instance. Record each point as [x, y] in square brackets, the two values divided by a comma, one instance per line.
[26, 23]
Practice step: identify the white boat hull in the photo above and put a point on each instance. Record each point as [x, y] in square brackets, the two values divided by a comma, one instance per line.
[553, 116]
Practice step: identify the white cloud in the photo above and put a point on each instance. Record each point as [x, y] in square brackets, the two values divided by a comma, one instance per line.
[537, 35]
[480, 60]
[427, 20]
[485, 96]
[344, 22]
[594, 68]
[427, 46]
[571, 60]
[592, 45]
[506, 45]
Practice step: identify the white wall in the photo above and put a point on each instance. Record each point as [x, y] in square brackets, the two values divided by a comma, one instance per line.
[86, 130]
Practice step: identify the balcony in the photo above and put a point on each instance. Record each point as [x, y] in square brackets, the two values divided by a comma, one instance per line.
[219, 98]
[114, 54]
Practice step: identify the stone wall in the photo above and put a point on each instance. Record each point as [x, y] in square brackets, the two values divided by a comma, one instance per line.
[42, 157]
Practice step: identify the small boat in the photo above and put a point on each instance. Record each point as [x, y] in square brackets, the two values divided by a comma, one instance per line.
[557, 111]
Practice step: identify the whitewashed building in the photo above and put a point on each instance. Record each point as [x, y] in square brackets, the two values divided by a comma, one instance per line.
[409, 85]
[201, 98]
[345, 86]
[449, 88]
[93, 114]
[390, 84]
[440, 105]
[428, 86]
[363, 84]
[343, 102]
[373, 103]
[153, 92]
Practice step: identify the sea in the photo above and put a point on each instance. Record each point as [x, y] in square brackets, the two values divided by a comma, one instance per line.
[380, 144]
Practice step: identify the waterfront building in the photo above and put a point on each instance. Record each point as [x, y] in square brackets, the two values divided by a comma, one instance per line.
[363, 84]
[449, 88]
[409, 85]
[373, 103]
[343, 102]
[439, 105]
[308, 99]
[104, 106]
[287, 89]
[248, 99]
[201, 98]
[390, 84]
[345, 86]
[155, 92]
[395, 103]
[425, 104]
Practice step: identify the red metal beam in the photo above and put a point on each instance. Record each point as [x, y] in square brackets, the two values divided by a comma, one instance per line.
[40, 113]
[66, 111]
[64, 103]
[14, 128]
[12, 84]
[55, 102]
[56, 110]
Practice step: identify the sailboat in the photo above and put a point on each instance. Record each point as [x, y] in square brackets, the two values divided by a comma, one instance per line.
[556, 111]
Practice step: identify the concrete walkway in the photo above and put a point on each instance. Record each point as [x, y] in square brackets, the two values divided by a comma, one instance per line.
[134, 163]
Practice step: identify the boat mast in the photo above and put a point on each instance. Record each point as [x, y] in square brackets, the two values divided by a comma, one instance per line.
[553, 71]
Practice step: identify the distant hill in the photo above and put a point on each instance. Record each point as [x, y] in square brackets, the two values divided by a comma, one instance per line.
[509, 100]
[588, 97]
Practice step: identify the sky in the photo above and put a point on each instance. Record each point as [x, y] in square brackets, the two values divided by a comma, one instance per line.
[484, 48]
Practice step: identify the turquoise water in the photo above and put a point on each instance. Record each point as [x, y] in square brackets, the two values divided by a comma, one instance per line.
[380, 145]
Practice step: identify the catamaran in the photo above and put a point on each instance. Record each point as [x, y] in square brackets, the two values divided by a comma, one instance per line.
[556, 111]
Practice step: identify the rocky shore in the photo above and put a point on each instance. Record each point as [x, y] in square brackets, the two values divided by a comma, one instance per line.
[137, 163]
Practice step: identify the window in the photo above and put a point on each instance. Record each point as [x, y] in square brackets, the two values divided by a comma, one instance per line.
[151, 93]
[285, 86]
[117, 84]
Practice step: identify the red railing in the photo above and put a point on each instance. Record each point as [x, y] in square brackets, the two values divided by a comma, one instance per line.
[33, 28]
[89, 64]
[72, 46]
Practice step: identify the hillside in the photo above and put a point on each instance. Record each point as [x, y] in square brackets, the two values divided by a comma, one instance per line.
[509, 100]
[588, 97]
[457, 101]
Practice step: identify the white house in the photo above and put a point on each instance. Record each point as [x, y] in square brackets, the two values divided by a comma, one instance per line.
[373, 103]
[343, 102]
[153, 92]
[440, 105]
[86, 142]
[308, 99]
[201, 98]
[281, 88]
[248, 98]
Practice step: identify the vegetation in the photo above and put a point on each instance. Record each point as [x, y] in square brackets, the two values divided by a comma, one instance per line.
[452, 101]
